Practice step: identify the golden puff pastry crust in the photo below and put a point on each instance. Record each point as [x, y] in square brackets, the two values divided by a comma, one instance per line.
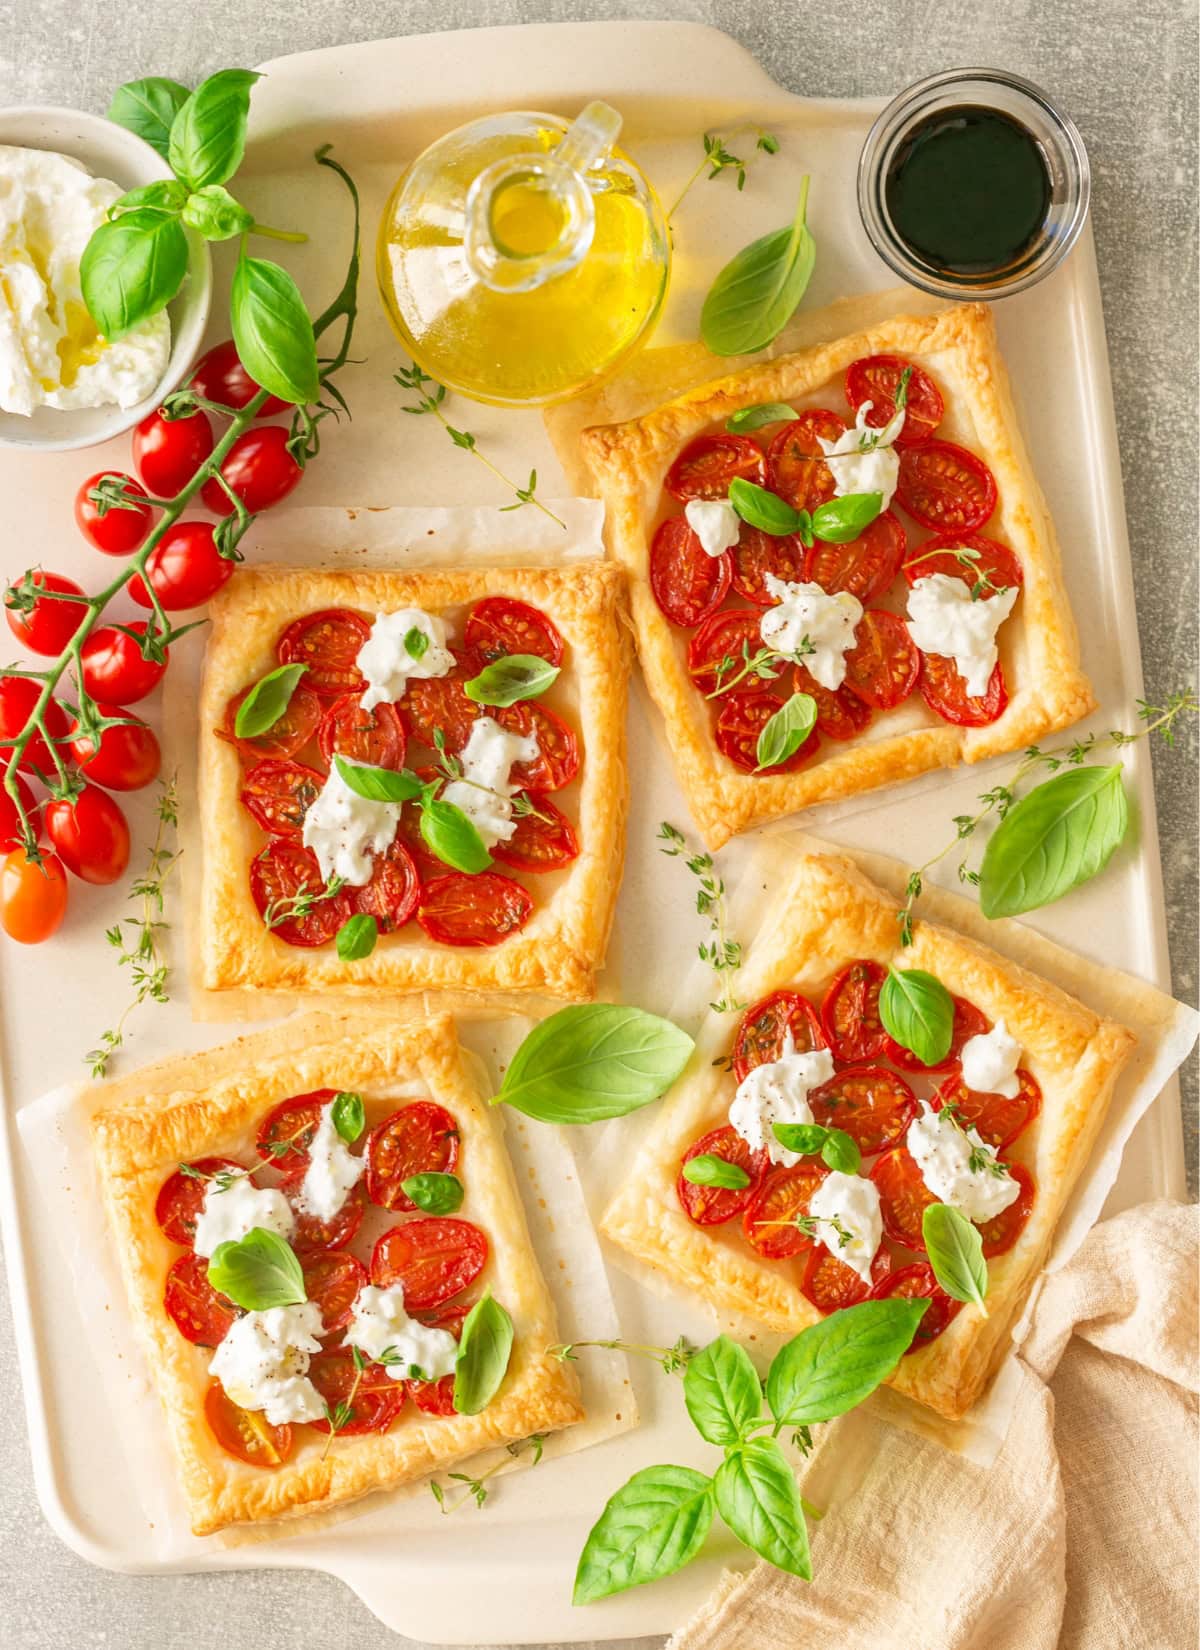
[210, 1104]
[1039, 647]
[560, 949]
[827, 915]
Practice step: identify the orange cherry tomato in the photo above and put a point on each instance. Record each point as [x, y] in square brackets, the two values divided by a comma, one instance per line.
[33, 897]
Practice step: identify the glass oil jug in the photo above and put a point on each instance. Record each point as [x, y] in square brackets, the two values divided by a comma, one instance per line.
[521, 259]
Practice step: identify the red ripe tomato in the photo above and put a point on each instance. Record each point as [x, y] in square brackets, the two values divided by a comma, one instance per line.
[432, 1259]
[18, 696]
[327, 642]
[850, 1013]
[866, 566]
[49, 624]
[283, 870]
[713, 1205]
[994, 562]
[945, 487]
[315, 1237]
[11, 834]
[796, 459]
[756, 554]
[766, 1023]
[245, 1433]
[871, 1104]
[33, 896]
[372, 736]
[169, 451]
[221, 377]
[945, 691]
[1002, 1231]
[283, 738]
[394, 891]
[968, 1022]
[127, 757]
[91, 835]
[719, 648]
[707, 465]
[544, 840]
[185, 568]
[286, 1132]
[181, 1196]
[377, 1398]
[434, 1397]
[557, 761]
[260, 470]
[994, 1117]
[687, 583]
[883, 665]
[418, 1139]
[114, 667]
[277, 795]
[903, 1197]
[742, 718]
[769, 1222]
[830, 1284]
[499, 626]
[839, 714]
[117, 529]
[333, 1281]
[876, 378]
[917, 1282]
[200, 1314]
[473, 910]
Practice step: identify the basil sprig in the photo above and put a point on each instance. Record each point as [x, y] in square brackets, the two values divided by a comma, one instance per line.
[755, 295]
[722, 1391]
[378, 784]
[758, 1497]
[453, 836]
[786, 730]
[1061, 834]
[754, 418]
[267, 700]
[132, 267]
[357, 936]
[837, 1363]
[208, 134]
[148, 109]
[594, 1060]
[433, 1192]
[651, 1527]
[955, 1251]
[841, 520]
[766, 510]
[213, 213]
[837, 521]
[918, 1012]
[349, 1115]
[258, 1271]
[836, 1149]
[506, 681]
[484, 1350]
[272, 331]
[710, 1170]
[416, 643]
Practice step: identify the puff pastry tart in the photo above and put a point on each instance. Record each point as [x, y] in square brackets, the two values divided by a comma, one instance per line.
[387, 669]
[941, 634]
[1001, 1129]
[242, 1139]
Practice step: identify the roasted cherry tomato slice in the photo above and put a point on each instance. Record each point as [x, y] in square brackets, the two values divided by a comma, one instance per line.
[796, 462]
[434, 1397]
[432, 1259]
[830, 1284]
[994, 1117]
[282, 871]
[741, 719]
[917, 1282]
[765, 1025]
[394, 891]
[872, 1104]
[687, 583]
[876, 378]
[283, 738]
[277, 795]
[33, 896]
[968, 1022]
[945, 487]
[18, 695]
[707, 465]
[994, 562]
[713, 1205]
[865, 567]
[944, 691]
[770, 1221]
[756, 554]
[473, 910]
[499, 626]
[375, 737]
[91, 835]
[719, 648]
[883, 665]
[49, 624]
[128, 756]
[259, 469]
[117, 529]
[544, 840]
[850, 1013]
[114, 666]
[903, 1197]
[557, 761]
[316, 1237]
[328, 643]
[377, 1398]
[840, 715]
[286, 1132]
[450, 1316]
[1000, 1233]
[169, 451]
[245, 1433]
[418, 1139]
[221, 377]
[181, 1196]
[200, 1314]
[437, 704]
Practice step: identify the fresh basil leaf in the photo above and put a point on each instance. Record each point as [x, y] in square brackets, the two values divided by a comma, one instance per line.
[722, 1391]
[454, 837]
[258, 1271]
[484, 1349]
[213, 213]
[805, 1138]
[785, 732]
[356, 937]
[918, 1012]
[416, 643]
[349, 1115]
[709, 1170]
[131, 268]
[166, 195]
[763, 509]
[273, 331]
[757, 1496]
[1059, 835]
[828, 1369]
[755, 295]
[840, 520]
[652, 1526]
[435, 1193]
[267, 700]
[594, 1060]
[839, 1151]
[378, 784]
[955, 1251]
[753, 418]
[208, 135]
[505, 681]
[148, 108]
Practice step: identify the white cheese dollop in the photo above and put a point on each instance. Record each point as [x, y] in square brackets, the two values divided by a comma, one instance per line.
[943, 618]
[263, 1362]
[778, 1093]
[333, 1171]
[864, 460]
[715, 523]
[487, 760]
[344, 830]
[50, 351]
[805, 612]
[387, 664]
[380, 1324]
[942, 1151]
[853, 1202]
[225, 1216]
[989, 1062]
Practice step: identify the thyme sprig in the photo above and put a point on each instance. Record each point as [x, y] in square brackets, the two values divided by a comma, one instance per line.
[765, 664]
[722, 953]
[476, 1488]
[452, 770]
[298, 906]
[672, 1359]
[341, 1415]
[966, 558]
[718, 158]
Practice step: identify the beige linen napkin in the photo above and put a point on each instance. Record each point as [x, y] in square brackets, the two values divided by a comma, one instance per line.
[1081, 1536]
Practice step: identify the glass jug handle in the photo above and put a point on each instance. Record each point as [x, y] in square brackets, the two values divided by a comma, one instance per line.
[590, 137]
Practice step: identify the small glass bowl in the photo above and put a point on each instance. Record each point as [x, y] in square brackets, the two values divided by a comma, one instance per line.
[1062, 149]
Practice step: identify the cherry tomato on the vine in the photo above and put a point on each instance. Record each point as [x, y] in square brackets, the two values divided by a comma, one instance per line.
[91, 835]
[33, 897]
[18, 695]
[169, 451]
[49, 624]
[117, 529]
[10, 819]
[185, 568]
[260, 470]
[128, 757]
[220, 376]
[114, 668]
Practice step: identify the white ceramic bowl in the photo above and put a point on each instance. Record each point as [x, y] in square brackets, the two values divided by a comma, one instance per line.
[108, 151]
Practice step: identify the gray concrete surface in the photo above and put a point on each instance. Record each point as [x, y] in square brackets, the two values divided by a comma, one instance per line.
[1128, 74]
